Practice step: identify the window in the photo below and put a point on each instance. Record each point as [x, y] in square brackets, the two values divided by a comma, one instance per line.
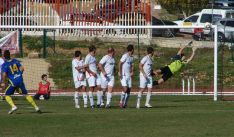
[222, 22]
[208, 18]
[229, 15]
[192, 19]
[230, 24]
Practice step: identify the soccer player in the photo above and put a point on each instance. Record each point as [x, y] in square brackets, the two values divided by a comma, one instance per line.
[145, 67]
[79, 79]
[91, 72]
[1, 62]
[107, 67]
[44, 88]
[13, 71]
[176, 66]
[125, 73]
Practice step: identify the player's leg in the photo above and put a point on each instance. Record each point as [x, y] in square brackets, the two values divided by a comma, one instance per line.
[124, 91]
[127, 95]
[143, 84]
[148, 96]
[9, 91]
[37, 96]
[166, 75]
[92, 85]
[111, 82]
[104, 85]
[83, 90]
[100, 101]
[76, 94]
[29, 98]
[46, 96]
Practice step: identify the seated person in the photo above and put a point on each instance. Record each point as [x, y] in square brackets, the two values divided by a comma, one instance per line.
[44, 88]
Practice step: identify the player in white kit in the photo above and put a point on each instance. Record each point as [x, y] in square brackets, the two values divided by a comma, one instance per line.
[91, 72]
[1, 62]
[125, 73]
[107, 67]
[79, 79]
[146, 80]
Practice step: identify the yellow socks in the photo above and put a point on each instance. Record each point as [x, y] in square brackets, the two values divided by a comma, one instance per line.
[31, 101]
[9, 101]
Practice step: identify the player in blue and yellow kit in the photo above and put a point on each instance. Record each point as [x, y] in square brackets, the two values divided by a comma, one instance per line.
[12, 70]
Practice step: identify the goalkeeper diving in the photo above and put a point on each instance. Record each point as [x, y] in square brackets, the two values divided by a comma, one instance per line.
[179, 61]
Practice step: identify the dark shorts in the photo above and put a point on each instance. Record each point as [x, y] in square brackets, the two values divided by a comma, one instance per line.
[166, 73]
[10, 90]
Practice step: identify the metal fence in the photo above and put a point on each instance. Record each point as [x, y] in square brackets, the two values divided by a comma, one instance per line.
[78, 13]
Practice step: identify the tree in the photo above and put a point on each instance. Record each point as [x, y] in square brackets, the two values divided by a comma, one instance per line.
[185, 7]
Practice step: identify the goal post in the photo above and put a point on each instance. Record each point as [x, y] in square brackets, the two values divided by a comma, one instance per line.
[214, 27]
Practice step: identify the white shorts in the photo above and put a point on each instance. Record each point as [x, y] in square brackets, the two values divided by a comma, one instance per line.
[107, 81]
[78, 84]
[146, 82]
[126, 81]
[92, 81]
[98, 80]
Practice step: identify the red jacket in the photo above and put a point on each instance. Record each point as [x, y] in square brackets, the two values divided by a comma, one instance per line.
[43, 89]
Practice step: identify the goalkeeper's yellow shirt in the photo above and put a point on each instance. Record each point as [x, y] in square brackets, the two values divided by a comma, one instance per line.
[176, 66]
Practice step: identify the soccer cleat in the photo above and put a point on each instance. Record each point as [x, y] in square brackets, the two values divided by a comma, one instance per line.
[102, 104]
[38, 110]
[77, 106]
[85, 106]
[148, 106]
[108, 106]
[13, 109]
[138, 106]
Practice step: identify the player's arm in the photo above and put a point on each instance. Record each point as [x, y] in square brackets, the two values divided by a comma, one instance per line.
[86, 66]
[80, 68]
[120, 68]
[183, 47]
[21, 68]
[4, 76]
[192, 56]
[101, 67]
[142, 70]
[132, 69]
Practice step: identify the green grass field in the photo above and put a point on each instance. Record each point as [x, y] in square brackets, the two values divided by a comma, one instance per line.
[172, 116]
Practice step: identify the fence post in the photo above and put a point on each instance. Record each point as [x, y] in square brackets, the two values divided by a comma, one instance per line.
[44, 44]
[21, 43]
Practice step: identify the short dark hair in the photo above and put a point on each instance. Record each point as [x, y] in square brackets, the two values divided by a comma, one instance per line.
[92, 48]
[110, 50]
[43, 76]
[130, 47]
[77, 53]
[7, 54]
[150, 50]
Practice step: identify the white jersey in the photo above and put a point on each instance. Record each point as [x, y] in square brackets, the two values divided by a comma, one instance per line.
[92, 63]
[77, 75]
[108, 64]
[1, 62]
[147, 65]
[127, 64]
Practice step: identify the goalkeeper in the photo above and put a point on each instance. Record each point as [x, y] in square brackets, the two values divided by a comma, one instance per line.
[179, 61]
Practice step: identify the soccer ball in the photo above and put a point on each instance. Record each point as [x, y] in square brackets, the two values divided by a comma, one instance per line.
[207, 25]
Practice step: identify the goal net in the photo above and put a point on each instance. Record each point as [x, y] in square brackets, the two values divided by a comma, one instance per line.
[50, 49]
